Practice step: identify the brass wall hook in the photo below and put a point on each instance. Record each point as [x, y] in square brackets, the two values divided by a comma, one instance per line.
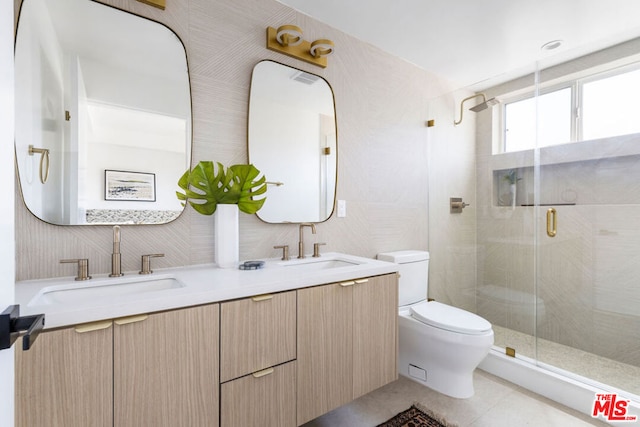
[44, 157]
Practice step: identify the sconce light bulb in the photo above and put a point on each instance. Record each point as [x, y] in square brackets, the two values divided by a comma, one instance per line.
[322, 47]
[289, 35]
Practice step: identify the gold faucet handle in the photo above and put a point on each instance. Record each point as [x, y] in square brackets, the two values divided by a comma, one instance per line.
[83, 267]
[145, 268]
[316, 249]
[285, 251]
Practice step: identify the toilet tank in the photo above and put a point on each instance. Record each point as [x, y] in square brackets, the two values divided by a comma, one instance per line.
[414, 274]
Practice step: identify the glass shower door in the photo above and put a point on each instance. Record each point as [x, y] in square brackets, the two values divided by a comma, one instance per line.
[587, 209]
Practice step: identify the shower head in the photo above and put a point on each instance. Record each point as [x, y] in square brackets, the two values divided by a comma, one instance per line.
[482, 106]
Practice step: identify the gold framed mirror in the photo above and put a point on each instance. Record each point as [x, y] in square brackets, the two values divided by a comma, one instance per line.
[99, 89]
[293, 140]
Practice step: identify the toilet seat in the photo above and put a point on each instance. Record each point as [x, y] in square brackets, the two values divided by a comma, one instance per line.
[449, 318]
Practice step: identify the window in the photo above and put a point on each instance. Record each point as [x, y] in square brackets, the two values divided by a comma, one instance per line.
[599, 107]
[610, 106]
[554, 128]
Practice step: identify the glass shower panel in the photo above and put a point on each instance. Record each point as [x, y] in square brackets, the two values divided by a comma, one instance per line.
[588, 246]
[505, 285]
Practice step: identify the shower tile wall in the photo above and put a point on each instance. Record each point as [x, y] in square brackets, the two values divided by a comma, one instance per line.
[381, 106]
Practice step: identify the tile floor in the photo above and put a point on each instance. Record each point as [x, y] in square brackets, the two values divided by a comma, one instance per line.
[496, 403]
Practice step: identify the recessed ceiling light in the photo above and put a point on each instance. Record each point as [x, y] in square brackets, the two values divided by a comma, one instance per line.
[553, 44]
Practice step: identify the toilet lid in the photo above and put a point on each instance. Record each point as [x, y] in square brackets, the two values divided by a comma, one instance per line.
[449, 318]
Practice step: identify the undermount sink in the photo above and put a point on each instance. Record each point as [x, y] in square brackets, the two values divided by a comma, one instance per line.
[78, 293]
[314, 264]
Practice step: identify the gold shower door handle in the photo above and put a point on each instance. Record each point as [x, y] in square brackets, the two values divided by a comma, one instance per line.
[552, 222]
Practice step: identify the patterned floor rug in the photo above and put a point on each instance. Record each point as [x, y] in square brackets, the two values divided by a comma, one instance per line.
[416, 417]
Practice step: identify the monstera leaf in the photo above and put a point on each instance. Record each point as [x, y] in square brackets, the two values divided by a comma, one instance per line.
[205, 186]
[246, 177]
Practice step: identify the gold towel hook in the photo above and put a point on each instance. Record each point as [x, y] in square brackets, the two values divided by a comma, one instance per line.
[44, 155]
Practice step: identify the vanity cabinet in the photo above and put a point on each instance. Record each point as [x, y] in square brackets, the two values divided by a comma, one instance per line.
[66, 378]
[166, 368]
[159, 369]
[276, 360]
[257, 361]
[347, 342]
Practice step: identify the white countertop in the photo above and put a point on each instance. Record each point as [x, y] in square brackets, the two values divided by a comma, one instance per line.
[203, 284]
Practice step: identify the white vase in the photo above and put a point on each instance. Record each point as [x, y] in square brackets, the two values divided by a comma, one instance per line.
[512, 189]
[227, 248]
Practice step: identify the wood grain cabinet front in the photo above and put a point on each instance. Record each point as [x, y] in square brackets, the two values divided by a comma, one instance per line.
[375, 333]
[265, 398]
[159, 369]
[166, 368]
[347, 342]
[66, 378]
[257, 333]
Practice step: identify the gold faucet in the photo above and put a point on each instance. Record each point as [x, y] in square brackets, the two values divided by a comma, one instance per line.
[116, 267]
[83, 267]
[301, 241]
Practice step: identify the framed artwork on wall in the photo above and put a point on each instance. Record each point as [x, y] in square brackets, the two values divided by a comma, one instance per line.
[129, 186]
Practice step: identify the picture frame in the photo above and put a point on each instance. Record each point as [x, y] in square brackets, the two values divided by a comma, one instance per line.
[129, 186]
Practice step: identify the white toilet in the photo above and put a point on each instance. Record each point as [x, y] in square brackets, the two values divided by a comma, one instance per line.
[439, 345]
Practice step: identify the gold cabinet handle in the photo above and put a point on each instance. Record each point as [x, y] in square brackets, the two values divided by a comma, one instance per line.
[552, 222]
[361, 281]
[131, 319]
[94, 326]
[349, 283]
[259, 298]
[263, 373]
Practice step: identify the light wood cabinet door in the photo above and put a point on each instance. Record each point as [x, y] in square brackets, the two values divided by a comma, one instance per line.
[256, 333]
[375, 326]
[65, 379]
[266, 398]
[166, 368]
[325, 358]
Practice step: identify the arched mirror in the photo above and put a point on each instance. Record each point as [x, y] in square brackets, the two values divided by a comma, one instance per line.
[103, 114]
[293, 141]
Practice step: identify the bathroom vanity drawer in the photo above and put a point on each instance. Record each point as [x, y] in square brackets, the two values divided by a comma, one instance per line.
[264, 398]
[257, 333]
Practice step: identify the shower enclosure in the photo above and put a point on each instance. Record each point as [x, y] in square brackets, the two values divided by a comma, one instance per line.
[549, 250]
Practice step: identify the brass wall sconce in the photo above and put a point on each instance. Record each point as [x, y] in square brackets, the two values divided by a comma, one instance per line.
[160, 4]
[288, 39]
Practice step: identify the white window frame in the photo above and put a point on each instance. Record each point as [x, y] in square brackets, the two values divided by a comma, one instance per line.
[576, 85]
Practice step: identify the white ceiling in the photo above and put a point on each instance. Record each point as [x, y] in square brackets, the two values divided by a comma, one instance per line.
[478, 43]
